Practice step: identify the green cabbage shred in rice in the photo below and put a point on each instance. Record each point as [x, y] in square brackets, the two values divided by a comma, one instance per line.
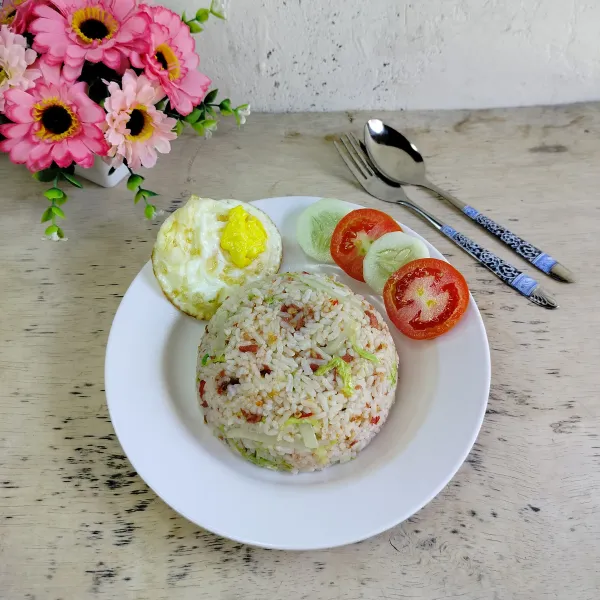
[294, 373]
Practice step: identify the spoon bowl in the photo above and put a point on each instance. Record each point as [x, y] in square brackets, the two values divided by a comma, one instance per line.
[394, 155]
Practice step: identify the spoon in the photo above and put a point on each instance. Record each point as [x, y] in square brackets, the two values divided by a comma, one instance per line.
[400, 161]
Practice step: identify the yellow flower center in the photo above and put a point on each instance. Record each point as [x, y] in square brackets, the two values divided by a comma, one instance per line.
[57, 120]
[140, 125]
[93, 24]
[3, 75]
[168, 61]
[7, 14]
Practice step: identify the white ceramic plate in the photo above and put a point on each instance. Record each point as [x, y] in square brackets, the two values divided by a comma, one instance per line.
[150, 385]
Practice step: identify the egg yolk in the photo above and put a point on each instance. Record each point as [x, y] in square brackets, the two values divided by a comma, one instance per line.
[244, 237]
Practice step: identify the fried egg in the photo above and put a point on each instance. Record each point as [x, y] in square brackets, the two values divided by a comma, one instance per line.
[207, 248]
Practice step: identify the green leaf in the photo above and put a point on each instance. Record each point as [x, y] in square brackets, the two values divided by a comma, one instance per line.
[54, 193]
[134, 182]
[71, 179]
[183, 16]
[225, 107]
[61, 201]
[150, 211]
[139, 196]
[46, 176]
[211, 96]
[194, 27]
[148, 193]
[58, 212]
[52, 229]
[242, 107]
[47, 216]
[198, 128]
[210, 111]
[60, 233]
[202, 15]
[179, 127]
[193, 116]
[216, 9]
[161, 105]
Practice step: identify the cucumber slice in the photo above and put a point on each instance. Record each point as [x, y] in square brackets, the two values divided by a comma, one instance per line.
[387, 254]
[316, 225]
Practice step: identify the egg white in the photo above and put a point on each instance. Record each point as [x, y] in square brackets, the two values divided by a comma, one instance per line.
[192, 269]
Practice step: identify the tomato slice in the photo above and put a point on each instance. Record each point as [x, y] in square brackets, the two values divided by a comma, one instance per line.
[426, 298]
[354, 235]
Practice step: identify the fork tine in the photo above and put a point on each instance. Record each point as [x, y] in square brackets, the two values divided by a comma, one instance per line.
[350, 163]
[357, 162]
[361, 155]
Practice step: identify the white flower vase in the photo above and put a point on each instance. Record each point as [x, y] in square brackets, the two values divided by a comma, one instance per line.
[99, 173]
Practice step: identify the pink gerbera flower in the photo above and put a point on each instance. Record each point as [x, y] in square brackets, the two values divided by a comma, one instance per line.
[106, 31]
[135, 129]
[53, 122]
[172, 60]
[15, 62]
[18, 14]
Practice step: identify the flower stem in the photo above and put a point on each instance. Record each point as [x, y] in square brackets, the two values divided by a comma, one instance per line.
[134, 184]
[56, 197]
[53, 203]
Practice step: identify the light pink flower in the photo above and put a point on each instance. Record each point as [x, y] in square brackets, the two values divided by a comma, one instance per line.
[15, 62]
[18, 14]
[106, 31]
[135, 128]
[172, 60]
[53, 122]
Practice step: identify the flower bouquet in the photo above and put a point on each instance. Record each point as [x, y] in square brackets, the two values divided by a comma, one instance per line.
[112, 80]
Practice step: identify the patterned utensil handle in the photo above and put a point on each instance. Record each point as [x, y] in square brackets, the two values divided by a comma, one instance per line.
[529, 252]
[505, 271]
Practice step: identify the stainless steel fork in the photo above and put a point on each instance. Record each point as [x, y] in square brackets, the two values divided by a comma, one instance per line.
[371, 180]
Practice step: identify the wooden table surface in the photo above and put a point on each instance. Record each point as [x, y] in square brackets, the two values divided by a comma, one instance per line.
[521, 519]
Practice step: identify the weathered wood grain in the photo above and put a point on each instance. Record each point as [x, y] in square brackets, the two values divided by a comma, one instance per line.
[520, 521]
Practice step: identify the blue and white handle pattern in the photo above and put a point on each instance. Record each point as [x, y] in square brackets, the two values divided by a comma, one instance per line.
[511, 275]
[534, 255]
